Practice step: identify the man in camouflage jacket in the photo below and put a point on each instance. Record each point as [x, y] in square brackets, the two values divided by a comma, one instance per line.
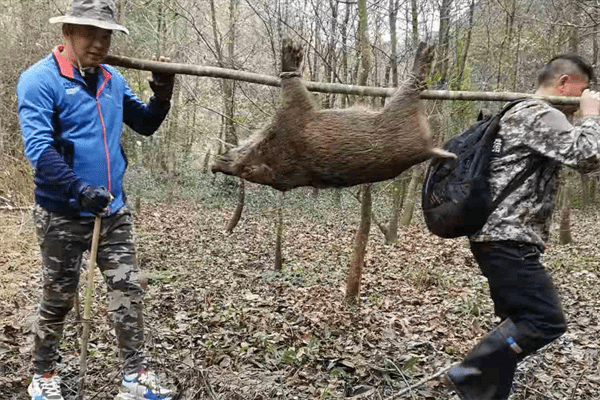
[533, 135]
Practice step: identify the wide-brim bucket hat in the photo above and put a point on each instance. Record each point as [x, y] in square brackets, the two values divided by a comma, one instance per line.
[99, 13]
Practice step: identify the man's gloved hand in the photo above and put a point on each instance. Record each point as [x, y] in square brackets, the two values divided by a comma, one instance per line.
[160, 83]
[94, 199]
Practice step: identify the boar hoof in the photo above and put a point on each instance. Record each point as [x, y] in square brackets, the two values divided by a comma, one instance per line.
[291, 56]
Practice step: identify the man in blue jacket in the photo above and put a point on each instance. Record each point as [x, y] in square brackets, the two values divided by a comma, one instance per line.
[71, 110]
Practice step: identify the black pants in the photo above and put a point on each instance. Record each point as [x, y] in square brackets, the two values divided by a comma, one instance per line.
[523, 291]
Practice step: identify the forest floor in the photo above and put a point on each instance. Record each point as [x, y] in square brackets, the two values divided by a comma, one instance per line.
[222, 324]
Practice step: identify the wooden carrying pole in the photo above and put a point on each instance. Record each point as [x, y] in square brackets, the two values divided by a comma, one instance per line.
[215, 72]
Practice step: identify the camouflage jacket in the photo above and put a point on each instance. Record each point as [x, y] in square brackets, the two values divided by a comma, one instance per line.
[532, 132]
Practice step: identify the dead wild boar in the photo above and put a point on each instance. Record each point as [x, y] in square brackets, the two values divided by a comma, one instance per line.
[305, 146]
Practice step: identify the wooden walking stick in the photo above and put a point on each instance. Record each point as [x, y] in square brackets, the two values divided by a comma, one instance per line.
[89, 296]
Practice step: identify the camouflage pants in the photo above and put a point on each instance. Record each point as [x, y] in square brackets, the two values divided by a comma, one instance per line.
[63, 240]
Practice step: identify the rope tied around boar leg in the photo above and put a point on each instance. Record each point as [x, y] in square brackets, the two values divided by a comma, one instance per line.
[288, 75]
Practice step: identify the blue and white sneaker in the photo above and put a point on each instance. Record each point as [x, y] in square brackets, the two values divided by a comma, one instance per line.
[45, 387]
[142, 386]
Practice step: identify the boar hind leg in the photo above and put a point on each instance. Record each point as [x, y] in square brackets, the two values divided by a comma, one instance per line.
[295, 96]
[408, 93]
[423, 60]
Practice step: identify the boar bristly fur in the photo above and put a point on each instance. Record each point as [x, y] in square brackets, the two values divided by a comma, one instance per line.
[305, 146]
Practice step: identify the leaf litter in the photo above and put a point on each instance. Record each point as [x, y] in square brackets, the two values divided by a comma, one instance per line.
[222, 324]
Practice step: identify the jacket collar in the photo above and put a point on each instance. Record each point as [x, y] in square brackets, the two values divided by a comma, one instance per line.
[67, 69]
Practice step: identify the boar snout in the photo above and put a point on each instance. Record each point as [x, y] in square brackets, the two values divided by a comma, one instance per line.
[224, 164]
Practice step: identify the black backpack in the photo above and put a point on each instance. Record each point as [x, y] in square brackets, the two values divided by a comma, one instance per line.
[456, 198]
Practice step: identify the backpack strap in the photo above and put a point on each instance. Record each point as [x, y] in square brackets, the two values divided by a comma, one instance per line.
[511, 105]
[516, 182]
[503, 112]
[521, 176]
[491, 131]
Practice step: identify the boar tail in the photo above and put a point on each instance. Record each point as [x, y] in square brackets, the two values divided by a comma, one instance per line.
[436, 152]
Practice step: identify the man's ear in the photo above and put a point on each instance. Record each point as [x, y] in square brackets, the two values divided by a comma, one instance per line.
[562, 81]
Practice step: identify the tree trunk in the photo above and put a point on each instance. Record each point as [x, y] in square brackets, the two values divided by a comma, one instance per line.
[206, 163]
[404, 180]
[574, 36]
[510, 19]
[171, 152]
[391, 235]
[229, 85]
[386, 81]
[398, 188]
[229, 97]
[138, 203]
[216, 34]
[414, 23]
[344, 58]
[279, 240]
[465, 54]
[160, 27]
[165, 137]
[337, 197]
[362, 235]
[565, 221]
[360, 247]
[515, 74]
[364, 47]
[444, 40]
[585, 190]
[237, 214]
[314, 69]
[331, 64]
[375, 68]
[390, 232]
[411, 196]
[393, 16]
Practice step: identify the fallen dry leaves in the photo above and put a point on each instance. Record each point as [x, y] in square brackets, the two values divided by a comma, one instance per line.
[222, 324]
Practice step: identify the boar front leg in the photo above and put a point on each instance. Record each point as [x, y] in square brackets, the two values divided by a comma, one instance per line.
[295, 96]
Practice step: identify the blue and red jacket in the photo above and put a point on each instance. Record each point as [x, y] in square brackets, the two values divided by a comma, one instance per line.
[72, 135]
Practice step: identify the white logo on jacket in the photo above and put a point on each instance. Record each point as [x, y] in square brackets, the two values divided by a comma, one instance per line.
[497, 146]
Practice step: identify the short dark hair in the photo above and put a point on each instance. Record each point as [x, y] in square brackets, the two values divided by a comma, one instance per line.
[67, 29]
[564, 64]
